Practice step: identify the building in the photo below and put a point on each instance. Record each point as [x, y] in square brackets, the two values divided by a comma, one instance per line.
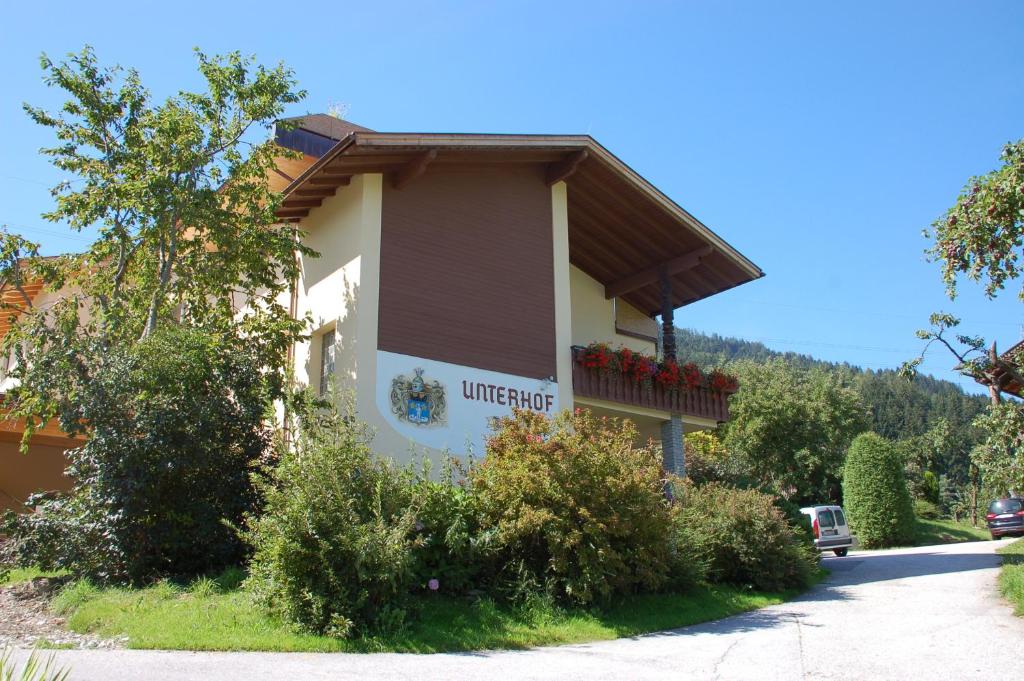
[460, 274]
[42, 468]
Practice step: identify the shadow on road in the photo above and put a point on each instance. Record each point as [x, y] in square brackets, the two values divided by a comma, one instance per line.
[845, 572]
[880, 567]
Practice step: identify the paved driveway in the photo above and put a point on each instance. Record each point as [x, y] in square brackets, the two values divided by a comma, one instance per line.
[924, 613]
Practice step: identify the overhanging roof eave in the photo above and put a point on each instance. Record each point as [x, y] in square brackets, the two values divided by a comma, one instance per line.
[470, 141]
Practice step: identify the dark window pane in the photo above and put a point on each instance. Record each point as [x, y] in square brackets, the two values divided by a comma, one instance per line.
[826, 519]
[840, 518]
[1005, 506]
[326, 360]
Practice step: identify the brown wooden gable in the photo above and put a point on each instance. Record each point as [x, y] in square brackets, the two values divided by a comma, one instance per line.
[622, 231]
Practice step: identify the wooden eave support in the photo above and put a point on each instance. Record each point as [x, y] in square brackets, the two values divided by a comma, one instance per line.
[413, 169]
[314, 192]
[631, 282]
[567, 166]
[292, 212]
[301, 202]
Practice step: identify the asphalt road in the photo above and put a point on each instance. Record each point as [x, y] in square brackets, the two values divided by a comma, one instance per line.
[925, 613]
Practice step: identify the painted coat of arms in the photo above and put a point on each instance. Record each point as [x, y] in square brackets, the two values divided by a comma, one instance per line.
[418, 401]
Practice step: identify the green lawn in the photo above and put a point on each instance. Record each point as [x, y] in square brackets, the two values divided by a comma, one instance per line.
[948, 532]
[1011, 576]
[932, 532]
[24, 574]
[217, 615]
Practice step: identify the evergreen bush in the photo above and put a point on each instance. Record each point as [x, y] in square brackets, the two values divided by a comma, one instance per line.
[926, 510]
[875, 493]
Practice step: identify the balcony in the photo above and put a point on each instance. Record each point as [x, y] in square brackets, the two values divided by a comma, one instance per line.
[700, 403]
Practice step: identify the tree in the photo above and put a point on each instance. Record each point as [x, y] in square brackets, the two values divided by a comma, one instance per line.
[176, 427]
[167, 343]
[980, 237]
[707, 460]
[792, 428]
[998, 456]
[875, 493]
[179, 194]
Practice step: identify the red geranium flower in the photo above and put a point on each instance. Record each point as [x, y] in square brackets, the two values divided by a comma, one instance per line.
[692, 377]
[723, 382]
[643, 369]
[668, 375]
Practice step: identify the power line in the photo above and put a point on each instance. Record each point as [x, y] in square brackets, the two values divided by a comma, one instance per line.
[868, 313]
[64, 235]
[39, 182]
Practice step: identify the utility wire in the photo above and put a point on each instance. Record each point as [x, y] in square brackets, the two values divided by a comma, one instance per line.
[867, 313]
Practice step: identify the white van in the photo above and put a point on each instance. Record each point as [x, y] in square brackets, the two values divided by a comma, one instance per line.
[831, 533]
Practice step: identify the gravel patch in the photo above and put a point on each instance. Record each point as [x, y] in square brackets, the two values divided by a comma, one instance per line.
[27, 622]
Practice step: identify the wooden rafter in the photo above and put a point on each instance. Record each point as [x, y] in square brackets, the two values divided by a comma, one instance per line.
[413, 169]
[301, 202]
[292, 212]
[563, 169]
[649, 275]
[318, 192]
[330, 180]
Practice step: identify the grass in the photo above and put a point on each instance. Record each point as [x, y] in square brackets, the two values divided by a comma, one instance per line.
[218, 615]
[25, 574]
[931, 532]
[1011, 576]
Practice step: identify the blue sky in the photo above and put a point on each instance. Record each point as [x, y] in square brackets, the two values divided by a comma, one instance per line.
[818, 138]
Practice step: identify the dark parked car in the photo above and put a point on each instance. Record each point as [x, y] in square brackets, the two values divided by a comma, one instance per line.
[1005, 516]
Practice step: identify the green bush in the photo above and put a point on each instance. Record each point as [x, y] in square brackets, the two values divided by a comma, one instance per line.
[333, 549]
[570, 506]
[447, 554]
[744, 537]
[875, 493]
[175, 426]
[926, 510]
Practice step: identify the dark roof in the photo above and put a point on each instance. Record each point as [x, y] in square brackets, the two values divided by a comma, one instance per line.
[327, 125]
[314, 134]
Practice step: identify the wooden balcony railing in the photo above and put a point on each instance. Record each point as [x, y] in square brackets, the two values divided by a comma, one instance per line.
[702, 402]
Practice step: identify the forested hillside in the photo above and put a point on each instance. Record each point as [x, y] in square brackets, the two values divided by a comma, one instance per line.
[795, 416]
[899, 408]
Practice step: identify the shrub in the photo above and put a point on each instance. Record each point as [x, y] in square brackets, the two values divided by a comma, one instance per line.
[926, 510]
[744, 537]
[446, 558]
[875, 493]
[333, 549]
[572, 507]
[175, 425]
[707, 460]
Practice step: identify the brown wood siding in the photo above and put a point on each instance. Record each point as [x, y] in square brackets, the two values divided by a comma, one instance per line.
[466, 270]
[40, 470]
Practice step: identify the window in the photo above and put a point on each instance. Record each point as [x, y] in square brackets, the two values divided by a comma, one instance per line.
[826, 519]
[840, 518]
[1005, 506]
[327, 351]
